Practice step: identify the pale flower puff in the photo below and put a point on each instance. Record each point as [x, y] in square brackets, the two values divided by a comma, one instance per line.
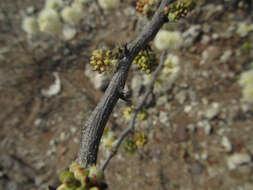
[246, 78]
[30, 25]
[168, 74]
[243, 29]
[108, 141]
[53, 4]
[68, 33]
[168, 40]
[247, 93]
[171, 68]
[72, 15]
[108, 4]
[49, 21]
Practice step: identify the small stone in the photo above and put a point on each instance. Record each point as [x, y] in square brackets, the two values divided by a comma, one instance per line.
[213, 111]
[68, 33]
[37, 122]
[225, 142]
[181, 97]
[54, 88]
[30, 9]
[229, 32]
[73, 130]
[76, 140]
[164, 118]
[238, 159]
[63, 136]
[187, 108]
[226, 56]
[191, 35]
[205, 126]
[205, 40]
[215, 36]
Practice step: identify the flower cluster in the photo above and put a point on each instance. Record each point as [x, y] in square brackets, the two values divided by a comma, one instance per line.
[168, 75]
[109, 4]
[54, 18]
[127, 112]
[165, 40]
[49, 21]
[130, 145]
[140, 139]
[146, 61]
[108, 139]
[146, 7]
[133, 142]
[246, 82]
[179, 9]
[73, 14]
[142, 115]
[103, 60]
[78, 178]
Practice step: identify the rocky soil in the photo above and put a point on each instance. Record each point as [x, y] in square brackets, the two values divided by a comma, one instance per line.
[199, 130]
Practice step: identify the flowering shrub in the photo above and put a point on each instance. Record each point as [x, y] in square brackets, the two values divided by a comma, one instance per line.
[165, 40]
[246, 82]
[109, 4]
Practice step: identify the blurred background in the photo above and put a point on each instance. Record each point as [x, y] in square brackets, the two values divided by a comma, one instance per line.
[199, 123]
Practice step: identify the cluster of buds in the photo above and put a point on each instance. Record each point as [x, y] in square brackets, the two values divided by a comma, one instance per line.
[146, 61]
[142, 115]
[179, 9]
[140, 139]
[133, 142]
[108, 139]
[146, 7]
[78, 178]
[103, 60]
[130, 145]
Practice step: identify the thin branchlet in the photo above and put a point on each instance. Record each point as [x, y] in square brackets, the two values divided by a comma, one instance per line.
[93, 129]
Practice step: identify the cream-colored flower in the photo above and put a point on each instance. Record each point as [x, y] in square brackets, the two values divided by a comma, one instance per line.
[49, 21]
[30, 25]
[108, 140]
[72, 15]
[168, 74]
[168, 40]
[246, 78]
[247, 93]
[109, 4]
[82, 1]
[243, 29]
[171, 68]
[53, 4]
[68, 33]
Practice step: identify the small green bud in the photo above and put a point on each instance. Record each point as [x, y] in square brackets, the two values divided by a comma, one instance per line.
[66, 176]
[95, 175]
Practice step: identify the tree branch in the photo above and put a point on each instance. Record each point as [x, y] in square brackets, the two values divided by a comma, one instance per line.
[134, 114]
[93, 129]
